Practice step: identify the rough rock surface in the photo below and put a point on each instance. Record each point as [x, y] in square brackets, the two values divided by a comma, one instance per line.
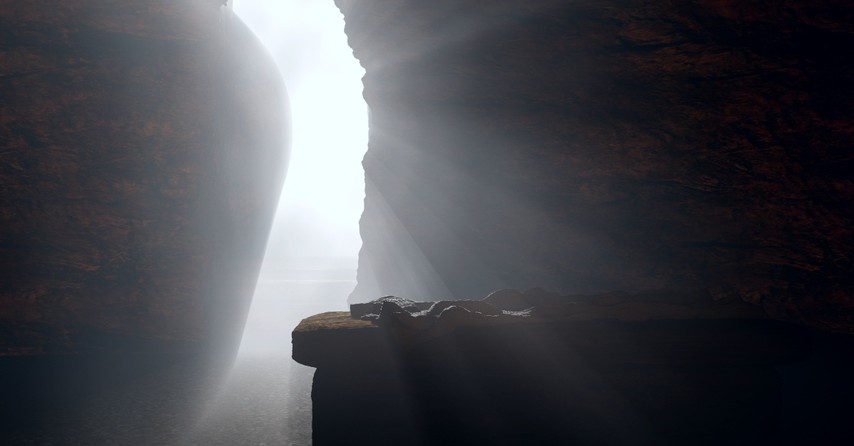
[341, 338]
[413, 322]
[592, 146]
[588, 378]
[141, 161]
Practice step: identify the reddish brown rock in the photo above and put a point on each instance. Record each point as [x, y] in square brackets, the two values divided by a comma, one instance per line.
[142, 157]
[622, 145]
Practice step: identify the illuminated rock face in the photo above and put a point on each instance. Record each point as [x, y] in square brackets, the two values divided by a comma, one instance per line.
[621, 145]
[143, 154]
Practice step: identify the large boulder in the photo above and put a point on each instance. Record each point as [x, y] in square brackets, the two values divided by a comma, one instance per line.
[144, 146]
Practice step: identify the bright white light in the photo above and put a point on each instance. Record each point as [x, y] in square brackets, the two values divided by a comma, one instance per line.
[310, 264]
[322, 198]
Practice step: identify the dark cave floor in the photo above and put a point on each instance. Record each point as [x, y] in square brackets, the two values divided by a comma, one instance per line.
[265, 400]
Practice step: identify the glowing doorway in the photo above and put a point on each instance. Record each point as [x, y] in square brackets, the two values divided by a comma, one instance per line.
[310, 264]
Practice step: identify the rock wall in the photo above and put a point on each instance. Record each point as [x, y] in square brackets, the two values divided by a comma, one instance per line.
[142, 158]
[621, 145]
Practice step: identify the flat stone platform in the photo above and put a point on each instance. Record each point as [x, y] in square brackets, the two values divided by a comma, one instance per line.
[600, 370]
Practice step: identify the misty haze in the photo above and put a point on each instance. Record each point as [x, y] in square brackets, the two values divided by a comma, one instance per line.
[426, 223]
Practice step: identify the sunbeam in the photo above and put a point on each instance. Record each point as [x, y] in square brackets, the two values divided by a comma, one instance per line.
[315, 238]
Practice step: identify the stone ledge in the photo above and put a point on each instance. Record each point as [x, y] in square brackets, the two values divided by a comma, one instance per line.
[620, 332]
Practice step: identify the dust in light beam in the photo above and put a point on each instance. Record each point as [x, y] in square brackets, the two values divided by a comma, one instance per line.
[324, 191]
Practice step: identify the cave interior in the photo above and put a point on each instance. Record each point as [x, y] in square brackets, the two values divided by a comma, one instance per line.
[662, 193]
